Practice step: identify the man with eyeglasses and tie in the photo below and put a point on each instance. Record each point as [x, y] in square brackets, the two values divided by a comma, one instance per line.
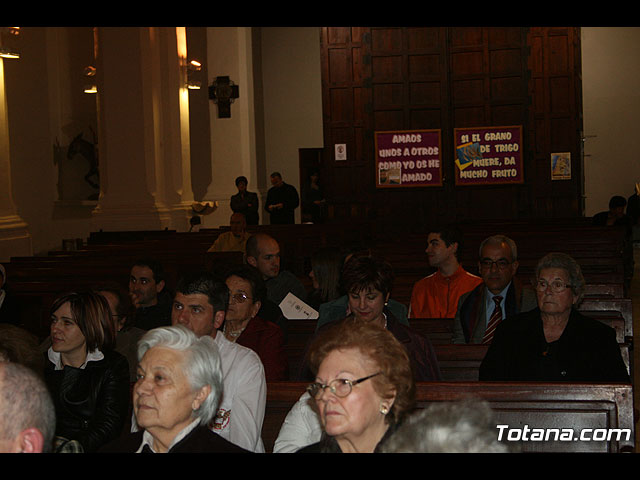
[498, 297]
[200, 304]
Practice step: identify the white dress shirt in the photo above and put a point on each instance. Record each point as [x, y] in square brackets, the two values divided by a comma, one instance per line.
[490, 304]
[241, 410]
[301, 427]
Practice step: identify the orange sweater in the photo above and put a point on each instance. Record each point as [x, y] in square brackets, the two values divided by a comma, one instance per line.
[436, 296]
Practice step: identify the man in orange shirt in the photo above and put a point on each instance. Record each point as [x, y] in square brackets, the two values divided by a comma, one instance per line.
[436, 296]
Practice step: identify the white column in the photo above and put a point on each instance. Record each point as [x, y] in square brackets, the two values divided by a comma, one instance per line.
[143, 130]
[233, 140]
[15, 239]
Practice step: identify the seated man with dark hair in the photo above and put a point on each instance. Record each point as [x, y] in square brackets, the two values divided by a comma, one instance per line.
[615, 215]
[437, 295]
[148, 294]
[200, 304]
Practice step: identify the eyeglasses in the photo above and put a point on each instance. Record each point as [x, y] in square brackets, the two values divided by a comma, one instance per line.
[340, 387]
[487, 264]
[557, 286]
[240, 297]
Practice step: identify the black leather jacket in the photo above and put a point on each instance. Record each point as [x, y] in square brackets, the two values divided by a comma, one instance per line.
[92, 404]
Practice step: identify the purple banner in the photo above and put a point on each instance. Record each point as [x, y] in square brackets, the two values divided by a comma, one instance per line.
[408, 159]
[488, 155]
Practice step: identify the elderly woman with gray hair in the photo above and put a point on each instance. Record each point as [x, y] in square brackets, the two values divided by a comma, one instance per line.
[176, 395]
[554, 342]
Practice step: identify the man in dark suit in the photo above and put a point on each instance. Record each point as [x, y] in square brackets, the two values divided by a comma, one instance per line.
[498, 297]
[245, 202]
[282, 200]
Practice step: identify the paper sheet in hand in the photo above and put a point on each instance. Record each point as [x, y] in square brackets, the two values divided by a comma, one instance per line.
[295, 309]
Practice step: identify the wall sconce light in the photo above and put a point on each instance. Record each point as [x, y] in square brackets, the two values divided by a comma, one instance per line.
[8, 42]
[90, 83]
[193, 69]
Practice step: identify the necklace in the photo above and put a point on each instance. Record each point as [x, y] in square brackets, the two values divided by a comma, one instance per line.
[235, 333]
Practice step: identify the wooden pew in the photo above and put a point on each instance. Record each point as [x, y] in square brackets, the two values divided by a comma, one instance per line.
[461, 363]
[108, 255]
[458, 363]
[37, 281]
[536, 405]
[616, 313]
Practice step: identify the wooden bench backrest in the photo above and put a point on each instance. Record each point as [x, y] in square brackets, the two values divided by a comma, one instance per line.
[537, 405]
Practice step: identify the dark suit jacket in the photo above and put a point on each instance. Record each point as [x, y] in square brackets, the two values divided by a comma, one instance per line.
[288, 196]
[240, 204]
[587, 351]
[199, 440]
[266, 339]
[471, 318]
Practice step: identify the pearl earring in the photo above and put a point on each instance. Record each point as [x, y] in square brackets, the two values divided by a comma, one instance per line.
[383, 409]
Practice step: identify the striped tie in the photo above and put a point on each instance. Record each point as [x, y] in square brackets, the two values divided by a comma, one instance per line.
[495, 319]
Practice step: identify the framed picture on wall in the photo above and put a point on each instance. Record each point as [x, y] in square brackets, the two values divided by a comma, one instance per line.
[561, 166]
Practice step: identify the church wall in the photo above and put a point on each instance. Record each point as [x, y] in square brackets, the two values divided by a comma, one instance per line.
[45, 109]
[611, 113]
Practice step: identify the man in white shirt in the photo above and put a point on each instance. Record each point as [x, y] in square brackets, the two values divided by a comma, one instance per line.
[200, 304]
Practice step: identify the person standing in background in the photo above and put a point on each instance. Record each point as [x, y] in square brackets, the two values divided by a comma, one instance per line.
[282, 200]
[245, 202]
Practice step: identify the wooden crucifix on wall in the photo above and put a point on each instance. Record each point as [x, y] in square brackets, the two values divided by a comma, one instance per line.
[223, 92]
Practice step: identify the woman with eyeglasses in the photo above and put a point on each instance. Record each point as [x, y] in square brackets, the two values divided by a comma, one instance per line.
[363, 387]
[88, 380]
[243, 325]
[555, 342]
[367, 280]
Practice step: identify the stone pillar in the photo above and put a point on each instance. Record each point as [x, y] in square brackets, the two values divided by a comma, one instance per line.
[15, 239]
[143, 129]
[233, 140]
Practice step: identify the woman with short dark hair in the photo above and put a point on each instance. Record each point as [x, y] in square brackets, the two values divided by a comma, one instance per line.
[368, 281]
[87, 378]
[244, 325]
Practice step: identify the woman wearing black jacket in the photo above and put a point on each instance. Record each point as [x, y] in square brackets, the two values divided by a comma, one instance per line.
[88, 380]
